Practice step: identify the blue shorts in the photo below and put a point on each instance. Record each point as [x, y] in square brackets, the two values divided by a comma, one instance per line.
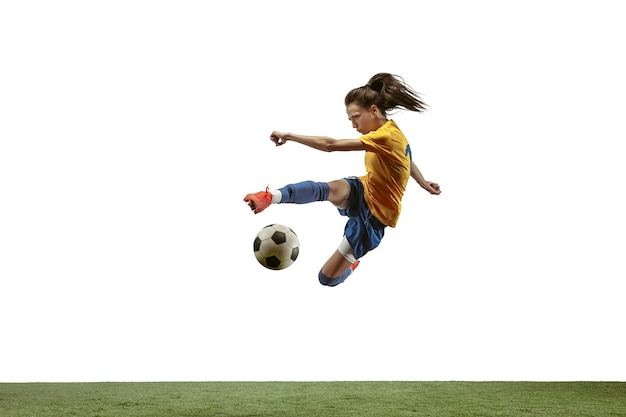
[363, 231]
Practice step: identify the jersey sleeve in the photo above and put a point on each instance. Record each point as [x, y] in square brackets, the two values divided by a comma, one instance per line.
[377, 142]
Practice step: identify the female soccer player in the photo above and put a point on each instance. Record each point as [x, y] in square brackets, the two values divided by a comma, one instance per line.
[373, 201]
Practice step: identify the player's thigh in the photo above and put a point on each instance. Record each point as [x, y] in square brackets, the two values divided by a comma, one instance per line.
[339, 191]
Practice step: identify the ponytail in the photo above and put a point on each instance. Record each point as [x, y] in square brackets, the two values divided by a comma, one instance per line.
[387, 92]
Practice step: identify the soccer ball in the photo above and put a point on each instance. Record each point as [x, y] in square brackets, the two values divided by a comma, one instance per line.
[276, 246]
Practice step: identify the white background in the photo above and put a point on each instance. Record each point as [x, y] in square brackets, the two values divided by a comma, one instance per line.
[131, 130]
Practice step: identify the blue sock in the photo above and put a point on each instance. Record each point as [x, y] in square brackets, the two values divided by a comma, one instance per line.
[331, 282]
[304, 192]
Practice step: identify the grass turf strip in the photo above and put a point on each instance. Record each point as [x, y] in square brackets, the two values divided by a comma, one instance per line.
[311, 399]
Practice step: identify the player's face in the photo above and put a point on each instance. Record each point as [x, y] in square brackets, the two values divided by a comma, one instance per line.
[363, 120]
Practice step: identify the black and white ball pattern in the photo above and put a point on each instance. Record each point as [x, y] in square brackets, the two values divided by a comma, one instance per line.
[276, 246]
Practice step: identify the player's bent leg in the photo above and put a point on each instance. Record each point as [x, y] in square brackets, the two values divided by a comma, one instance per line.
[335, 265]
[336, 270]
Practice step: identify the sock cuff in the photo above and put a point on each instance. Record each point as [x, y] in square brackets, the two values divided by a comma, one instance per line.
[277, 196]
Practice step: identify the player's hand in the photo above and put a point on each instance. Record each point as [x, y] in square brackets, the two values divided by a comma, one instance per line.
[278, 138]
[431, 187]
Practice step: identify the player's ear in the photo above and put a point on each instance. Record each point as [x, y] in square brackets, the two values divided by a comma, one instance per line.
[374, 110]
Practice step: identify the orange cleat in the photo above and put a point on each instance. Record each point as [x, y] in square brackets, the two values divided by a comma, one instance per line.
[259, 201]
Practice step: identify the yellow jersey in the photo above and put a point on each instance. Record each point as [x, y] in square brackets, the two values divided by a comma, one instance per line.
[388, 166]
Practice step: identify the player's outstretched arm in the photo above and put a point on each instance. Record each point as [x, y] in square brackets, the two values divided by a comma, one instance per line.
[322, 143]
[431, 187]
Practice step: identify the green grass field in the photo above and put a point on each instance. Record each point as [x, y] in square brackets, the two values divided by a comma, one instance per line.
[311, 399]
